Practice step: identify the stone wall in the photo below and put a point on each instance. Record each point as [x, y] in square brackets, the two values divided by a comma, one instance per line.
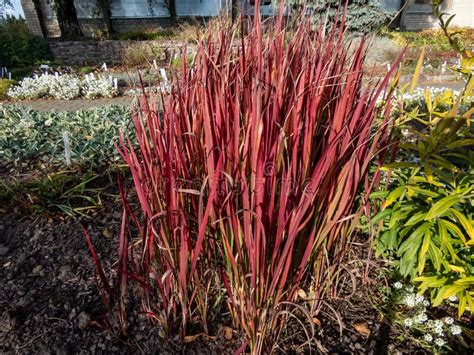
[113, 52]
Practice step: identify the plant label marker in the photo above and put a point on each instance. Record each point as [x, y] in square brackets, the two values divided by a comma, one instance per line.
[115, 83]
[67, 148]
[104, 67]
[163, 75]
[44, 66]
[56, 74]
[9, 76]
[155, 65]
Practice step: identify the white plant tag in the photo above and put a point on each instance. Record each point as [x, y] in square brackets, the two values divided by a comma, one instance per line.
[67, 148]
[163, 75]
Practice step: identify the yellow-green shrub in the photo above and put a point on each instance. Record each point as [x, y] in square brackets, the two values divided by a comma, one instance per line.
[427, 212]
[4, 86]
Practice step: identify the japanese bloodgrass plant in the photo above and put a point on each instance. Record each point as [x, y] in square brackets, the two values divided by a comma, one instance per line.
[248, 179]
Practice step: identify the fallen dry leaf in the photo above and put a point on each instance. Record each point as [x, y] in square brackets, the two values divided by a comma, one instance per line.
[228, 333]
[190, 338]
[362, 328]
[302, 294]
[106, 233]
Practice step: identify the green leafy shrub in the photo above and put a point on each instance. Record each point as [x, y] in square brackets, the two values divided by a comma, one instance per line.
[27, 135]
[435, 40]
[86, 70]
[18, 47]
[427, 217]
[428, 210]
[5, 85]
[70, 192]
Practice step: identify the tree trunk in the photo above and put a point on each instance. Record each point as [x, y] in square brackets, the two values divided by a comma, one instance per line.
[235, 10]
[67, 19]
[105, 9]
[171, 4]
[39, 12]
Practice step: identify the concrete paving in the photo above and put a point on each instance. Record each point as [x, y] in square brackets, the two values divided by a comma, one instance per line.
[82, 104]
[72, 105]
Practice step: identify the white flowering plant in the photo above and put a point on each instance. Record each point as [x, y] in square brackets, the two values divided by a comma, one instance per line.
[64, 87]
[415, 320]
[95, 86]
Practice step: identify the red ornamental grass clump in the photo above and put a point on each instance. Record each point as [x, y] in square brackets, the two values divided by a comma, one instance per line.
[248, 178]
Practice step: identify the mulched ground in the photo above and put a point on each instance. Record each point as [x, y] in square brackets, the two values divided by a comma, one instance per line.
[49, 300]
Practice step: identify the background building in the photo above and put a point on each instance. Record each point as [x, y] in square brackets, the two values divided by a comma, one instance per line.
[129, 15]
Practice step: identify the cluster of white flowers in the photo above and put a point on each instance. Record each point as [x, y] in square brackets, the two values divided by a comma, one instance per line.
[161, 88]
[64, 87]
[412, 299]
[418, 95]
[421, 318]
[418, 98]
[416, 318]
[455, 329]
[436, 326]
[98, 86]
[398, 285]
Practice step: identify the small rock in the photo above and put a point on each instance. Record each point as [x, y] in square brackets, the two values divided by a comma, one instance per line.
[64, 273]
[3, 250]
[72, 314]
[83, 320]
[7, 322]
[37, 269]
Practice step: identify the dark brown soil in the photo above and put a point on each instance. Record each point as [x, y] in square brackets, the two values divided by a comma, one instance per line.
[49, 301]
[48, 298]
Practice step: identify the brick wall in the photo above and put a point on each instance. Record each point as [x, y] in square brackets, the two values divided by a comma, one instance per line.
[112, 52]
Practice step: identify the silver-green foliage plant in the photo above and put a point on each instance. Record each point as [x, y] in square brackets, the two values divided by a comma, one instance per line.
[27, 135]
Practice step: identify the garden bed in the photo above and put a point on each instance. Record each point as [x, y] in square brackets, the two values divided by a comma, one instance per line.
[50, 303]
[278, 200]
